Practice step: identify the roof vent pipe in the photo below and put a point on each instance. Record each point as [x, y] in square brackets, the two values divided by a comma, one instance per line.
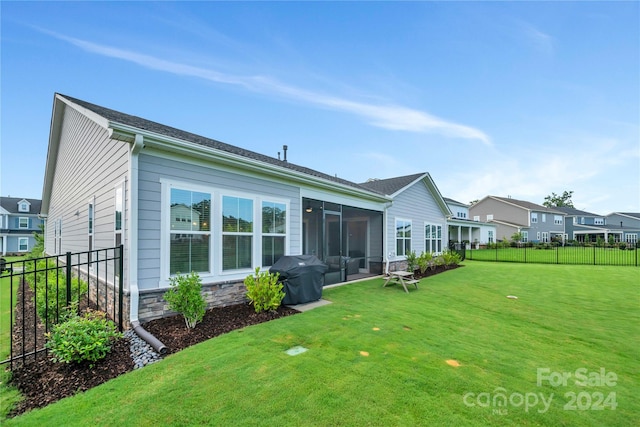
[285, 148]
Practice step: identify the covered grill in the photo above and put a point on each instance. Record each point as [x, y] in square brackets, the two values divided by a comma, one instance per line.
[302, 277]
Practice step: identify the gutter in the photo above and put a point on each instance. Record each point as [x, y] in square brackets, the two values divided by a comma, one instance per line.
[134, 292]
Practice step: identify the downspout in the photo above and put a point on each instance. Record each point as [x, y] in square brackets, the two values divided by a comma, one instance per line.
[134, 293]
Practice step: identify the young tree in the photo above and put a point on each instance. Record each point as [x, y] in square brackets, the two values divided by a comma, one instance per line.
[555, 200]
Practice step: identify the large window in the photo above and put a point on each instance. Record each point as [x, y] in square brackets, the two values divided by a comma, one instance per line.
[631, 238]
[433, 234]
[23, 222]
[190, 231]
[274, 229]
[23, 244]
[534, 217]
[557, 219]
[403, 237]
[237, 233]
[490, 236]
[525, 236]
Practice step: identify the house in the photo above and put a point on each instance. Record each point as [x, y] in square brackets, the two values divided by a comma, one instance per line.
[579, 224]
[536, 223]
[181, 202]
[462, 229]
[18, 221]
[584, 226]
[416, 220]
[627, 224]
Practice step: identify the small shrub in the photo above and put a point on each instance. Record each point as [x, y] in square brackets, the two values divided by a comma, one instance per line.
[185, 297]
[425, 260]
[623, 246]
[82, 338]
[264, 291]
[412, 261]
[450, 258]
[50, 287]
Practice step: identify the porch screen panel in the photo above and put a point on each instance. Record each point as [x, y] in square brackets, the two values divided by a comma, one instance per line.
[190, 231]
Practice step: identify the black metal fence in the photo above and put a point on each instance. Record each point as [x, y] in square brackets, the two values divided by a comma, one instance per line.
[627, 255]
[44, 290]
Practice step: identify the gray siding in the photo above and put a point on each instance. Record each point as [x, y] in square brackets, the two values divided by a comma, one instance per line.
[153, 168]
[89, 165]
[418, 205]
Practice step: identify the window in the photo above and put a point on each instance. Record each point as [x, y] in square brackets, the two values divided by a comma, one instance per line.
[90, 230]
[538, 236]
[23, 207]
[582, 220]
[58, 236]
[403, 237]
[433, 234]
[557, 219]
[598, 221]
[189, 243]
[274, 229]
[525, 236]
[462, 214]
[490, 236]
[544, 217]
[118, 210]
[489, 217]
[476, 218]
[534, 217]
[631, 238]
[23, 222]
[237, 233]
[23, 244]
[545, 237]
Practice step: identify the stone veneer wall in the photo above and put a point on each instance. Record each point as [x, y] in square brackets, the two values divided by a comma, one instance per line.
[151, 304]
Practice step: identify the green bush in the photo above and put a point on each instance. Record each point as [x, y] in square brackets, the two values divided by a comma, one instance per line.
[49, 284]
[412, 261]
[264, 291]
[450, 258]
[185, 298]
[623, 246]
[82, 338]
[425, 260]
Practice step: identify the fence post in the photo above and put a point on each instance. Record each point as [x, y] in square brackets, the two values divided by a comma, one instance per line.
[120, 284]
[68, 279]
[594, 254]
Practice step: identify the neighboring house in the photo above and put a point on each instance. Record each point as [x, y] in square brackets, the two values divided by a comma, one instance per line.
[579, 224]
[114, 178]
[18, 221]
[627, 224]
[416, 220]
[462, 228]
[582, 226]
[537, 223]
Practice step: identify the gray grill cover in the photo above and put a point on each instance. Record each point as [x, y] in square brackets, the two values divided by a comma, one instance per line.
[302, 277]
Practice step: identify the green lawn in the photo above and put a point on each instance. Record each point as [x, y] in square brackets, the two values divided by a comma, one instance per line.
[8, 395]
[577, 255]
[378, 356]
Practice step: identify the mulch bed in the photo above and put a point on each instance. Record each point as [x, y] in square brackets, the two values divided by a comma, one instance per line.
[42, 381]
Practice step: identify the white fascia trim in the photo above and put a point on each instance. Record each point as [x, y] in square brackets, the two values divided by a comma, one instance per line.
[190, 149]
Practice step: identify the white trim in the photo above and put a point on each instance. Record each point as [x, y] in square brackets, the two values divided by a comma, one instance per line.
[20, 227]
[215, 232]
[22, 239]
[395, 237]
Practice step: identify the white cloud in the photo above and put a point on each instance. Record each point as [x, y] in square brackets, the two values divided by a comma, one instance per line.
[391, 117]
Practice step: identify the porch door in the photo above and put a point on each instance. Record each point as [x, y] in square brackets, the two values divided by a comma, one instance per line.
[332, 234]
[332, 247]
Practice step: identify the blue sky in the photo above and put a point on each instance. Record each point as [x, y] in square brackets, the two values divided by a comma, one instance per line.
[501, 98]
